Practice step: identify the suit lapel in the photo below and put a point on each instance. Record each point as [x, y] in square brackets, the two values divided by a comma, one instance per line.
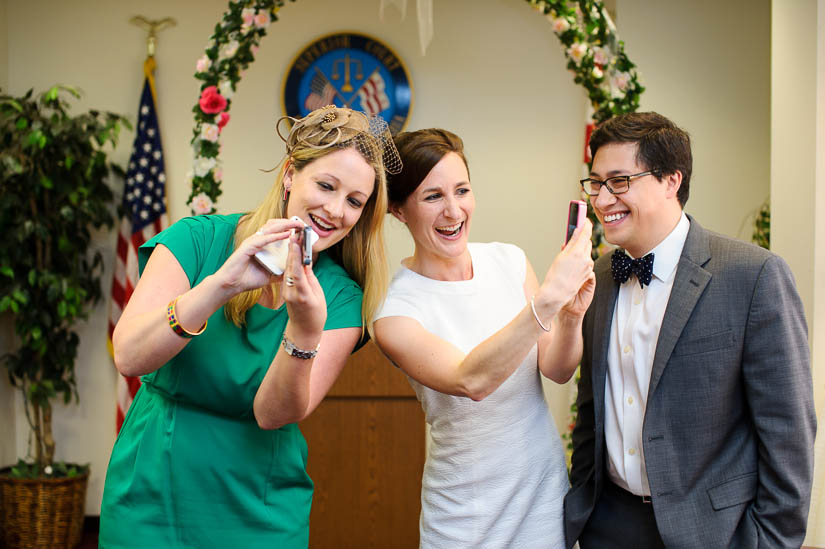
[689, 284]
[607, 290]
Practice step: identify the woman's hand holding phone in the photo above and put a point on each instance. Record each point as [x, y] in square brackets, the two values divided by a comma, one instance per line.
[576, 214]
[569, 283]
[577, 217]
[241, 272]
[303, 294]
[273, 256]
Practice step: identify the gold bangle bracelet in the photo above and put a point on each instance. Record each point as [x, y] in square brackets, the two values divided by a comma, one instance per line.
[172, 317]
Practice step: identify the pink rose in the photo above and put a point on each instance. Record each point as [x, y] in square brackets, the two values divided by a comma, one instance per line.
[601, 56]
[248, 16]
[203, 64]
[228, 50]
[209, 132]
[577, 52]
[621, 80]
[201, 204]
[262, 19]
[211, 101]
[223, 121]
[560, 25]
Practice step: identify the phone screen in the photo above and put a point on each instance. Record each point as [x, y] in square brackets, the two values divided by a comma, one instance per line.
[572, 220]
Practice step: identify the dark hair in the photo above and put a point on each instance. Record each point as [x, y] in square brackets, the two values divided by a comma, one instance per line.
[420, 151]
[662, 145]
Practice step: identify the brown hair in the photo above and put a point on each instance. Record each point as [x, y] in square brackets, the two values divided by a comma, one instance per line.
[420, 151]
[663, 147]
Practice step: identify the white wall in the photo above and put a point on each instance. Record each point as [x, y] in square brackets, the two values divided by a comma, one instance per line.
[718, 89]
[494, 73]
[7, 424]
[798, 137]
[4, 46]
[816, 521]
[793, 127]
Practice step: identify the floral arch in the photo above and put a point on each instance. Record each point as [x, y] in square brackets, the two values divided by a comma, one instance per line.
[595, 57]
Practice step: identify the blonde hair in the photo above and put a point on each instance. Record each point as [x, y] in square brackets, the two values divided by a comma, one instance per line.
[361, 253]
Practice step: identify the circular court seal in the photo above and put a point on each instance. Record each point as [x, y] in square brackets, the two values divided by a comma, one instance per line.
[349, 70]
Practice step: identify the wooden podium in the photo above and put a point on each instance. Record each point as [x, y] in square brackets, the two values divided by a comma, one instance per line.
[366, 455]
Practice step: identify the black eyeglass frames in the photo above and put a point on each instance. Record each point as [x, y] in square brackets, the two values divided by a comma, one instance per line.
[617, 184]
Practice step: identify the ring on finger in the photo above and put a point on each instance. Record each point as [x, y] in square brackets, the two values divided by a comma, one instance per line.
[259, 233]
[289, 281]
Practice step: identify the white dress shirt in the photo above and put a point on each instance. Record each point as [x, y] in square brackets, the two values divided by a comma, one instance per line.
[634, 333]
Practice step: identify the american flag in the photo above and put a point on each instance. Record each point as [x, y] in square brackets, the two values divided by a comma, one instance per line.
[144, 215]
[321, 93]
[373, 97]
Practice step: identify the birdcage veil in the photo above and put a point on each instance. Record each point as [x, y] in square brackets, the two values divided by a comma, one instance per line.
[342, 127]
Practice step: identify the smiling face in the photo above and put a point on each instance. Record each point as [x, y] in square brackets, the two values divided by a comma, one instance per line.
[641, 218]
[330, 193]
[439, 211]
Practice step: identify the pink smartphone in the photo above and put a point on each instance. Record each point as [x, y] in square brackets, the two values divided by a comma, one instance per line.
[576, 213]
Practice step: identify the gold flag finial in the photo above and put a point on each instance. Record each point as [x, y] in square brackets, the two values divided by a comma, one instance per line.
[152, 27]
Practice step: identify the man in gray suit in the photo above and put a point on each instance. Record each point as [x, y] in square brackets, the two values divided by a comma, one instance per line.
[696, 420]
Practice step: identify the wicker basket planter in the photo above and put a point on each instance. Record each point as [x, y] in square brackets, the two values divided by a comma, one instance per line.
[43, 512]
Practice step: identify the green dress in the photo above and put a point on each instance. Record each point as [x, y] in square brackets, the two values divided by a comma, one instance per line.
[191, 467]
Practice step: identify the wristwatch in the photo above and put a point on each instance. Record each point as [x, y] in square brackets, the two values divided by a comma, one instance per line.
[292, 350]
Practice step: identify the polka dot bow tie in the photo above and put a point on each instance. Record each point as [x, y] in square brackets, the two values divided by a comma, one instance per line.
[622, 267]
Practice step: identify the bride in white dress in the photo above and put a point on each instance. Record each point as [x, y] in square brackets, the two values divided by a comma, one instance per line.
[468, 324]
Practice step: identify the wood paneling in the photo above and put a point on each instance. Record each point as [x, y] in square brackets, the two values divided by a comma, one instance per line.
[370, 373]
[366, 456]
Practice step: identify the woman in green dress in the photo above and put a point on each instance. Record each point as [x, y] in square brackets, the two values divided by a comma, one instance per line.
[232, 357]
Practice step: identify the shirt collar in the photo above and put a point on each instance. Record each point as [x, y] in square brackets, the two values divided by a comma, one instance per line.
[669, 250]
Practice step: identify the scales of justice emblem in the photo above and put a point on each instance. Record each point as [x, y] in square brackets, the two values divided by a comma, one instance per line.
[349, 70]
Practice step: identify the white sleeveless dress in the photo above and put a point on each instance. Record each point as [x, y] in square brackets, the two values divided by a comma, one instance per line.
[495, 474]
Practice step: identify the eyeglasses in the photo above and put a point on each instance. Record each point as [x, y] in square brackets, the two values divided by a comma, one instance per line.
[616, 185]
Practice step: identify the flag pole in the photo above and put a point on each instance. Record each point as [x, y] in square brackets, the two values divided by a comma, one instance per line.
[145, 209]
[152, 27]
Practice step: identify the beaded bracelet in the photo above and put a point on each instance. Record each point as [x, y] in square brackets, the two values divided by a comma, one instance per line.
[172, 317]
[536, 316]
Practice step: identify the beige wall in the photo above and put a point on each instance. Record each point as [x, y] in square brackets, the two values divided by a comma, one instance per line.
[494, 73]
[4, 45]
[816, 530]
[793, 128]
[797, 130]
[798, 138]
[717, 89]
[7, 425]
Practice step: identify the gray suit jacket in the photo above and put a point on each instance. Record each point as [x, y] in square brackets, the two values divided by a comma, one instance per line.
[729, 426]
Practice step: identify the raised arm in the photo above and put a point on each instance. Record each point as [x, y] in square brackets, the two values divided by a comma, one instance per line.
[443, 367]
[560, 350]
[143, 340]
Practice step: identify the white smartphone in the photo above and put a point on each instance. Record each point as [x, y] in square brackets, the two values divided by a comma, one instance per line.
[307, 242]
[273, 257]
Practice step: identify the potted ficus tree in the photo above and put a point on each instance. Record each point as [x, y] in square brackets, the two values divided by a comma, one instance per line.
[53, 195]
